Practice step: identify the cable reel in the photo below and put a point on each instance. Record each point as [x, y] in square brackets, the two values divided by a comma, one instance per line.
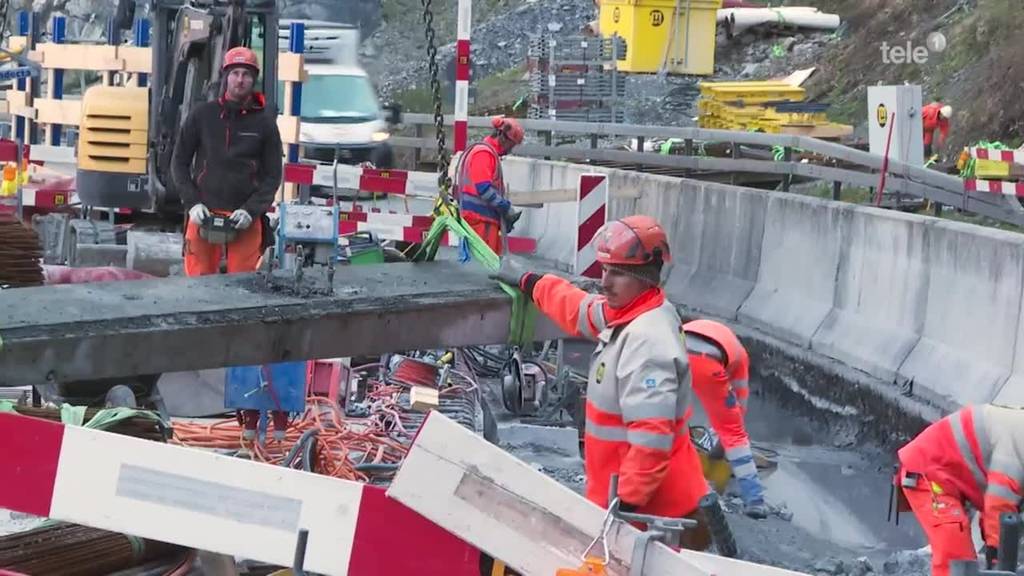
[525, 386]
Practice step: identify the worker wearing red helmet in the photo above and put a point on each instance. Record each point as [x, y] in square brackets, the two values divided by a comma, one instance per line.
[935, 116]
[481, 186]
[974, 455]
[638, 391]
[227, 162]
[720, 367]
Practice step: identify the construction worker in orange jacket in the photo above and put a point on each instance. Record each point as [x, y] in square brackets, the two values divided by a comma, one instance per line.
[481, 186]
[638, 390]
[935, 116]
[976, 456]
[720, 367]
[227, 162]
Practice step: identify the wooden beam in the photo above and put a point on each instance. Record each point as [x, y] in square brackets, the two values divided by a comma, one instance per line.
[291, 67]
[80, 57]
[288, 126]
[540, 197]
[514, 513]
[137, 59]
[50, 111]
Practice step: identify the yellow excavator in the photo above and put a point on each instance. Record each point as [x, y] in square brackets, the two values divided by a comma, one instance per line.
[128, 133]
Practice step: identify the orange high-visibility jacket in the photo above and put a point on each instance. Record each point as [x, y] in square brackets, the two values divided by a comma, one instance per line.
[715, 339]
[976, 454]
[638, 398]
[932, 119]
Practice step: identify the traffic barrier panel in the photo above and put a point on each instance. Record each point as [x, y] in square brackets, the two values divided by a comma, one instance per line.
[591, 215]
[795, 287]
[995, 187]
[881, 292]
[967, 345]
[730, 249]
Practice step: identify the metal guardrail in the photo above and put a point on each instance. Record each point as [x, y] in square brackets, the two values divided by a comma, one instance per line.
[901, 177]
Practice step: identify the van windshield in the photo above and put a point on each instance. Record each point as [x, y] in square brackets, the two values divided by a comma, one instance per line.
[337, 98]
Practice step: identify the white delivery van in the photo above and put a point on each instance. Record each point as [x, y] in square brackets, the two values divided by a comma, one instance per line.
[341, 111]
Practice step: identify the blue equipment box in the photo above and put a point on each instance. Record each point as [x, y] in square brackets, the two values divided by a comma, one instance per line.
[269, 387]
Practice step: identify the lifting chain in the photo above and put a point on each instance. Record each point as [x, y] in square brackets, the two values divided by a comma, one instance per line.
[443, 159]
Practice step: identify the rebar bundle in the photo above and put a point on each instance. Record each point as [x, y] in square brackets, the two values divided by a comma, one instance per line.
[70, 550]
[20, 254]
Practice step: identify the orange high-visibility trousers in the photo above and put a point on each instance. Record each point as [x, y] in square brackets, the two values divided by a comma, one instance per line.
[711, 385]
[202, 257]
[488, 230]
[945, 524]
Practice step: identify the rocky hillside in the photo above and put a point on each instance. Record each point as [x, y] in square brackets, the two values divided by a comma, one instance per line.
[980, 71]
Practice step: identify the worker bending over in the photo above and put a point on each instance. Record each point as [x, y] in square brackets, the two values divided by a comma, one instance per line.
[720, 367]
[638, 390]
[976, 456]
[227, 162]
[935, 116]
[481, 186]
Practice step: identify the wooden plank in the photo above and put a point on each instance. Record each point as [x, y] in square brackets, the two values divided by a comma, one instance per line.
[288, 126]
[291, 67]
[16, 98]
[98, 57]
[514, 513]
[50, 111]
[136, 58]
[540, 197]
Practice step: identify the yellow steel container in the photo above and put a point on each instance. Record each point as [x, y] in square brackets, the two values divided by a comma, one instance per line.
[658, 34]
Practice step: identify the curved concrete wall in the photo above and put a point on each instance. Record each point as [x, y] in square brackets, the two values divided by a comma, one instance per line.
[896, 296]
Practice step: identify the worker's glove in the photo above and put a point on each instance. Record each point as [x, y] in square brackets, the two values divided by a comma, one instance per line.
[511, 271]
[198, 213]
[241, 218]
[511, 217]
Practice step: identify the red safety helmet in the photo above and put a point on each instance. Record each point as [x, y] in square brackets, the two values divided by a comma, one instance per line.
[633, 240]
[241, 56]
[510, 127]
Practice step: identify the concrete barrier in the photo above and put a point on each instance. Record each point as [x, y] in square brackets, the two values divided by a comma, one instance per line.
[968, 341]
[896, 296]
[795, 287]
[881, 292]
[675, 204]
[731, 230]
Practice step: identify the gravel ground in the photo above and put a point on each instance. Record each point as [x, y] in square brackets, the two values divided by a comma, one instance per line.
[829, 504]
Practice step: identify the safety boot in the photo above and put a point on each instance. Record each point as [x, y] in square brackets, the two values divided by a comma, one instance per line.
[756, 510]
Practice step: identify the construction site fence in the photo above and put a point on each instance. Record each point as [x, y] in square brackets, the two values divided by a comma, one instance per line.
[861, 169]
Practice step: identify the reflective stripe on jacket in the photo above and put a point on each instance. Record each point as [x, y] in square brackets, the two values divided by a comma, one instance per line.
[480, 180]
[977, 453]
[638, 398]
[715, 339]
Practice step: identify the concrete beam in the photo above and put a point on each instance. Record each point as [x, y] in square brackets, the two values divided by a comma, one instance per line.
[106, 330]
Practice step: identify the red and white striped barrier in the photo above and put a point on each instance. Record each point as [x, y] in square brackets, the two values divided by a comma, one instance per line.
[995, 187]
[410, 225]
[462, 60]
[591, 214]
[227, 505]
[1013, 156]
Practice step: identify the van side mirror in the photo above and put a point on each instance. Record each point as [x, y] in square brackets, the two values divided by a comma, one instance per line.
[394, 113]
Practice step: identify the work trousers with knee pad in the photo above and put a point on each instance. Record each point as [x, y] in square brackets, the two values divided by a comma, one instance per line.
[712, 387]
[945, 523]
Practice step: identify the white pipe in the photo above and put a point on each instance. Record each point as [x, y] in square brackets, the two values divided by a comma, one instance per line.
[797, 16]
